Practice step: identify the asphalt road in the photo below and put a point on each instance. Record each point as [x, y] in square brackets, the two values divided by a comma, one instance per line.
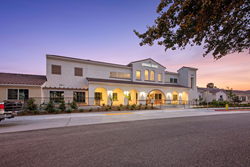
[221, 140]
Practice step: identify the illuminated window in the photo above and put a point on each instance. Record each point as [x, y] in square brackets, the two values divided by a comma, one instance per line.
[152, 76]
[112, 74]
[146, 75]
[127, 75]
[138, 74]
[159, 77]
[115, 96]
[120, 75]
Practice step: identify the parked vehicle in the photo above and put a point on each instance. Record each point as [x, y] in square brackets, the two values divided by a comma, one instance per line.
[6, 113]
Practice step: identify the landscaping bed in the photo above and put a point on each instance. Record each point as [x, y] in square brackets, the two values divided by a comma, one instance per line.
[99, 109]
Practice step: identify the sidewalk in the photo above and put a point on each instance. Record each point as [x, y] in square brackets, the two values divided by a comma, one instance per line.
[25, 123]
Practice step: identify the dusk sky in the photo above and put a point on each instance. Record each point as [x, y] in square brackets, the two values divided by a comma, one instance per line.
[101, 31]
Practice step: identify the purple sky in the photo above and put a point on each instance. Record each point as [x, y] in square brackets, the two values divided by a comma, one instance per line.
[101, 31]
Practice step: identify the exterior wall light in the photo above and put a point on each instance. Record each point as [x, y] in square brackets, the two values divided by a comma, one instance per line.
[110, 92]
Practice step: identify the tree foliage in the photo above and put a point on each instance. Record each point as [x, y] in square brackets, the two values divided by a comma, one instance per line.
[222, 26]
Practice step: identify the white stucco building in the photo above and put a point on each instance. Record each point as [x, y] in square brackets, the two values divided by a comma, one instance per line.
[141, 80]
[93, 82]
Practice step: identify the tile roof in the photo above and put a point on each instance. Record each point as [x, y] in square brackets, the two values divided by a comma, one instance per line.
[23, 79]
[131, 82]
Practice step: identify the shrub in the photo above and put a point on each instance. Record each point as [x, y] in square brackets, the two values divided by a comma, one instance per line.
[146, 107]
[107, 109]
[46, 112]
[98, 108]
[69, 111]
[152, 107]
[81, 110]
[107, 105]
[31, 104]
[50, 107]
[121, 105]
[62, 105]
[110, 107]
[127, 107]
[35, 112]
[132, 107]
[73, 105]
[57, 111]
[118, 108]
[139, 107]
[90, 109]
[103, 104]
[140, 104]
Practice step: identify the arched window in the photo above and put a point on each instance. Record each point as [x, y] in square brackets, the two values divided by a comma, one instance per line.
[146, 75]
[152, 76]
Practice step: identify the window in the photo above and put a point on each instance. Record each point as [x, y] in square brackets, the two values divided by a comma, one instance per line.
[166, 79]
[120, 75]
[138, 74]
[127, 75]
[79, 97]
[23, 94]
[174, 97]
[115, 97]
[112, 74]
[56, 69]
[12, 94]
[146, 75]
[78, 71]
[98, 95]
[221, 96]
[173, 80]
[159, 77]
[18, 94]
[243, 98]
[152, 76]
[56, 96]
[158, 96]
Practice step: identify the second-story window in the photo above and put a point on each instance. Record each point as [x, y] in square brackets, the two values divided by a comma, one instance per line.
[55, 69]
[127, 75]
[112, 74]
[146, 75]
[138, 75]
[152, 76]
[159, 77]
[78, 71]
[175, 80]
[120, 75]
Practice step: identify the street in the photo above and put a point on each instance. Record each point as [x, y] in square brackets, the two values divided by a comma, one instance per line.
[217, 140]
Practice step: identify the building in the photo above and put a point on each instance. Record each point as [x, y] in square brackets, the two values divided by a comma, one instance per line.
[94, 83]
[210, 94]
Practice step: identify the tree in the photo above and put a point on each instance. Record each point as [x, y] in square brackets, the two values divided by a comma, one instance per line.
[62, 105]
[221, 25]
[128, 97]
[112, 99]
[73, 105]
[232, 96]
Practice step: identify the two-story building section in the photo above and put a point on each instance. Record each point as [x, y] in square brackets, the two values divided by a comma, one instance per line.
[94, 82]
